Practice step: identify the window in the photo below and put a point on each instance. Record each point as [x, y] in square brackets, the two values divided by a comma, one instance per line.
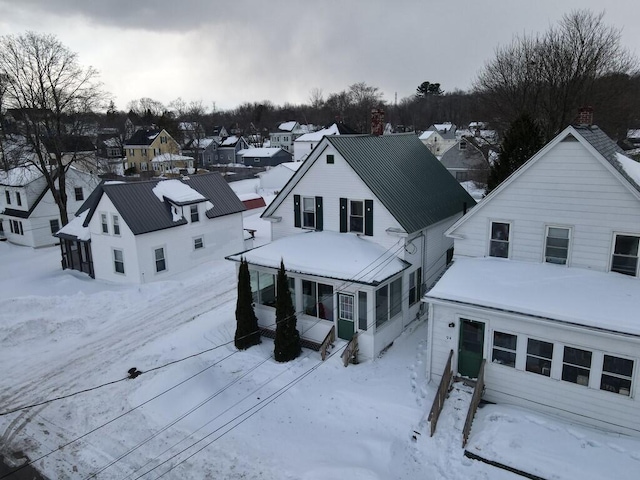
[576, 364]
[79, 193]
[504, 349]
[463, 145]
[144, 152]
[317, 299]
[346, 307]
[395, 305]
[118, 261]
[362, 310]
[557, 245]
[163, 139]
[54, 225]
[265, 288]
[625, 255]
[105, 225]
[195, 217]
[1, 228]
[309, 212]
[292, 290]
[382, 305]
[161, 264]
[330, 159]
[616, 375]
[198, 243]
[144, 167]
[415, 282]
[16, 227]
[462, 176]
[7, 195]
[116, 224]
[356, 216]
[132, 152]
[18, 199]
[539, 355]
[499, 245]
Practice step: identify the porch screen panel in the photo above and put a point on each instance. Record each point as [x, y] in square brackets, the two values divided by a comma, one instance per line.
[267, 285]
[395, 303]
[382, 305]
[325, 301]
[309, 298]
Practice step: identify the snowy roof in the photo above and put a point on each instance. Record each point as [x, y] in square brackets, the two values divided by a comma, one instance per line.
[601, 300]
[170, 157]
[633, 133]
[230, 141]
[177, 192]
[425, 135]
[293, 166]
[75, 229]
[203, 142]
[143, 137]
[19, 176]
[259, 151]
[317, 136]
[287, 126]
[630, 167]
[340, 256]
[112, 142]
[444, 127]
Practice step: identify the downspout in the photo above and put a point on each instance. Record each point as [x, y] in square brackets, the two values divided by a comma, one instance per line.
[429, 341]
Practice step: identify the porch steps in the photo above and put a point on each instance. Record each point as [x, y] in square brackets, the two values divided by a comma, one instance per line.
[304, 342]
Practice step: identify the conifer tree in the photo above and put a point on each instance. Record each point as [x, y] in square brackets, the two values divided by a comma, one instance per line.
[522, 140]
[287, 342]
[247, 333]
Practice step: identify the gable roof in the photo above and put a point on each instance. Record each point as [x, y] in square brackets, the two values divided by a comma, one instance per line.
[594, 140]
[470, 157]
[143, 212]
[143, 137]
[401, 172]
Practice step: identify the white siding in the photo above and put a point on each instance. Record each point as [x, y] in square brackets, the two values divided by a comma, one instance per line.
[436, 249]
[516, 386]
[566, 187]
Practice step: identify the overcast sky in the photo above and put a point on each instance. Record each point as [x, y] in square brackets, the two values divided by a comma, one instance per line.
[251, 50]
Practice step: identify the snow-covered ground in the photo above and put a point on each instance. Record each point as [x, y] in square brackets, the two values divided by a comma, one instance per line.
[219, 413]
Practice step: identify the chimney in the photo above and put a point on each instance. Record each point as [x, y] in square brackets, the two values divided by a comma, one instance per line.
[377, 121]
[585, 116]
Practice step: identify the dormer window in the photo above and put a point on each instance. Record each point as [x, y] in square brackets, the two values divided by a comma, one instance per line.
[18, 199]
[195, 216]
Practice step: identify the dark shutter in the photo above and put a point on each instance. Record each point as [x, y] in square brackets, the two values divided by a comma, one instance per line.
[297, 221]
[318, 213]
[343, 215]
[368, 217]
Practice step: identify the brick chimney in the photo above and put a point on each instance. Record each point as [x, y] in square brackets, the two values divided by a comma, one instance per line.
[377, 121]
[585, 116]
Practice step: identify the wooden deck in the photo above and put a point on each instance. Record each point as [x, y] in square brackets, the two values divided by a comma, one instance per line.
[313, 332]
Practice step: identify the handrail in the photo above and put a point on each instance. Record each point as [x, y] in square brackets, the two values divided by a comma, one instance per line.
[328, 340]
[350, 354]
[441, 394]
[473, 407]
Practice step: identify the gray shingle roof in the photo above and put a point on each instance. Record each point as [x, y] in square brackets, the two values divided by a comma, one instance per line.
[405, 176]
[143, 212]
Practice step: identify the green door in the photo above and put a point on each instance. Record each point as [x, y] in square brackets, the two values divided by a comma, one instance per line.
[346, 310]
[470, 351]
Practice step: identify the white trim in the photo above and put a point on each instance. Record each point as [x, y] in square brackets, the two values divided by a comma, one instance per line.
[509, 239]
[164, 258]
[615, 233]
[113, 261]
[569, 245]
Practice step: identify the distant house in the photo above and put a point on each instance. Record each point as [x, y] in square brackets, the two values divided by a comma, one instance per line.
[219, 133]
[204, 150]
[172, 163]
[275, 178]
[28, 213]
[228, 150]
[264, 157]
[139, 232]
[439, 138]
[286, 134]
[144, 145]
[190, 131]
[545, 286]
[359, 228]
[466, 161]
[304, 144]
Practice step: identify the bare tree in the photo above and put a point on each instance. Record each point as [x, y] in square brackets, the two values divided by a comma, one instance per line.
[51, 94]
[552, 75]
[316, 98]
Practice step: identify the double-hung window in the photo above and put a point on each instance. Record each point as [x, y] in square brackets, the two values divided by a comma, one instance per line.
[116, 224]
[616, 375]
[504, 349]
[625, 255]
[78, 193]
[556, 248]
[198, 243]
[388, 301]
[309, 212]
[415, 282]
[195, 217]
[499, 244]
[103, 221]
[576, 365]
[118, 261]
[18, 199]
[7, 196]
[161, 264]
[539, 356]
[356, 216]
[54, 225]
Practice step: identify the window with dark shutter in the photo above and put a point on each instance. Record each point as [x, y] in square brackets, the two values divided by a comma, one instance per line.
[297, 217]
[343, 215]
[319, 213]
[368, 217]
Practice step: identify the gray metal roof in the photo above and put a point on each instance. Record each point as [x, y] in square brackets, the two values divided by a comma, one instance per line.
[405, 176]
[605, 147]
[143, 212]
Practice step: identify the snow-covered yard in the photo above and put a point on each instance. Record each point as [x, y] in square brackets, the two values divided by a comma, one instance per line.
[219, 413]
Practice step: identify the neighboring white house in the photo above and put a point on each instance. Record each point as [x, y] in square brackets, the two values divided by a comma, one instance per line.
[286, 134]
[275, 178]
[439, 138]
[360, 230]
[544, 286]
[28, 213]
[304, 144]
[138, 232]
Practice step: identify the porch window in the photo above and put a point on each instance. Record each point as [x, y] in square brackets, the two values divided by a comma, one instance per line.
[18, 199]
[292, 290]
[103, 221]
[557, 245]
[616, 375]
[309, 212]
[539, 355]
[625, 255]
[78, 193]
[576, 365]
[356, 216]
[382, 305]
[54, 225]
[116, 224]
[415, 281]
[118, 261]
[504, 349]
[263, 288]
[195, 216]
[395, 304]
[362, 311]
[317, 299]
[161, 264]
[499, 245]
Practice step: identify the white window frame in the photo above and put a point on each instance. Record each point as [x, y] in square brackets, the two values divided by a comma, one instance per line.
[352, 215]
[346, 307]
[115, 224]
[193, 210]
[540, 357]
[19, 199]
[503, 349]
[116, 261]
[545, 257]
[104, 222]
[622, 390]
[195, 242]
[507, 241]
[613, 250]
[581, 379]
[77, 190]
[311, 212]
[163, 259]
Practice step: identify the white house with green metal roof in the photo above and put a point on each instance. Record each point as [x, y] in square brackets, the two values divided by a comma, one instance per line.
[544, 286]
[359, 228]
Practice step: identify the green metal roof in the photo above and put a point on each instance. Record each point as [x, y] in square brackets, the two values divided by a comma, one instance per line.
[405, 176]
